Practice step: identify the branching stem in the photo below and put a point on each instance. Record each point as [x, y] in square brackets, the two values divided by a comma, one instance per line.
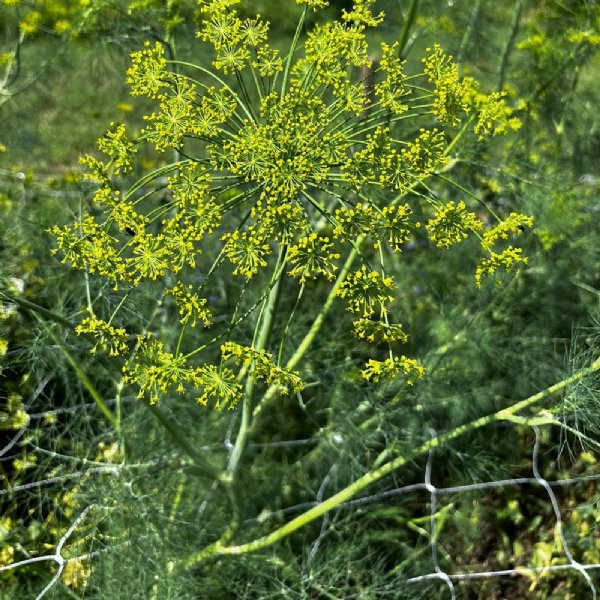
[507, 414]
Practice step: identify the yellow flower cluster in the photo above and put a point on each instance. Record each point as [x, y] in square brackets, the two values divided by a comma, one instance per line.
[390, 225]
[514, 223]
[361, 13]
[454, 96]
[508, 259]
[379, 331]
[391, 91]
[237, 41]
[155, 370]
[284, 221]
[15, 414]
[96, 170]
[493, 116]
[451, 224]
[398, 169]
[366, 291]
[87, 245]
[314, 4]
[262, 368]
[290, 151]
[391, 368]
[219, 385]
[312, 257]
[191, 308]
[118, 148]
[247, 250]
[111, 339]
[148, 75]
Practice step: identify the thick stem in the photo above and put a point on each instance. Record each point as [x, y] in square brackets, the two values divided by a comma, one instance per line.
[262, 339]
[510, 38]
[314, 329]
[372, 476]
[408, 23]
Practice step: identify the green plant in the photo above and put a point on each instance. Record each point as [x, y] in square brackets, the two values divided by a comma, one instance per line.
[301, 171]
[289, 188]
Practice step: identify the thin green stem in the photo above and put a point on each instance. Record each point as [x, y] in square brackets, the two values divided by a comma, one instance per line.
[290, 56]
[263, 333]
[259, 92]
[289, 323]
[459, 135]
[245, 94]
[408, 23]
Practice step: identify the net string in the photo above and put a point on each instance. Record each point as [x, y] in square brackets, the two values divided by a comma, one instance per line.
[572, 564]
[449, 579]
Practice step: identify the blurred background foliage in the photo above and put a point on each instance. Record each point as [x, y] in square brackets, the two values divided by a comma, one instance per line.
[62, 66]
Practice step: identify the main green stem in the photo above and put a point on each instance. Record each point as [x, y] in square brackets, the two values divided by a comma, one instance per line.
[408, 23]
[350, 491]
[262, 339]
[314, 329]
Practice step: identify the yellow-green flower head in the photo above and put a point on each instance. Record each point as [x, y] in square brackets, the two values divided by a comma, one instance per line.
[314, 4]
[311, 257]
[262, 368]
[361, 13]
[219, 385]
[155, 370]
[379, 331]
[191, 307]
[366, 291]
[247, 250]
[452, 223]
[118, 148]
[111, 339]
[391, 368]
[148, 73]
[513, 224]
[507, 260]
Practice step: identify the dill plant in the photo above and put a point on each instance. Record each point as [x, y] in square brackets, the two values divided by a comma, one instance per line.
[306, 156]
[298, 178]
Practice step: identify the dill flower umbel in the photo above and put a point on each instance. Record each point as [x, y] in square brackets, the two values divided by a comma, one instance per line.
[111, 339]
[261, 367]
[366, 291]
[279, 169]
[391, 368]
[451, 224]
